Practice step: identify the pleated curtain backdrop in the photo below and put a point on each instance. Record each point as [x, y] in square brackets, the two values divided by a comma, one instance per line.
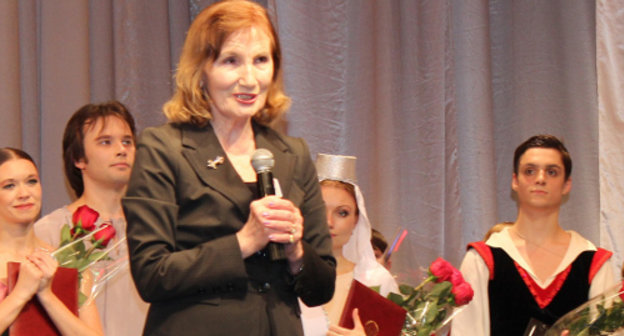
[431, 96]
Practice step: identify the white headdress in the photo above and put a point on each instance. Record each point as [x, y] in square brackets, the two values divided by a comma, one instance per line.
[358, 249]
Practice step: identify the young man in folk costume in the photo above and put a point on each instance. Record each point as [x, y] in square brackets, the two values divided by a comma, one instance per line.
[98, 153]
[532, 271]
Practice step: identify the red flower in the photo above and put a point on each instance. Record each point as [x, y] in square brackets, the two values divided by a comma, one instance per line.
[84, 220]
[463, 293]
[456, 277]
[441, 269]
[104, 235]
[622, 291]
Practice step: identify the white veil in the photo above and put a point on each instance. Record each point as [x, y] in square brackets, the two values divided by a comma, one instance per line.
[358, 249]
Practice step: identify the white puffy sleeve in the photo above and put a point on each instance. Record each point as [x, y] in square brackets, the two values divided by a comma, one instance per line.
[474, 318]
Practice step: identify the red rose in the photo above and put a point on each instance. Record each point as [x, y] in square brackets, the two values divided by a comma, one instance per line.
[463, 293]
[84, 219]
[622, 291]
[103, 236]
[456, 277]
[441, 269]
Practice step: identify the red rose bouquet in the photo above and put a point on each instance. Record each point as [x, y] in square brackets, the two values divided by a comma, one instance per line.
[94, 250]
[431, 305]
[602, 315]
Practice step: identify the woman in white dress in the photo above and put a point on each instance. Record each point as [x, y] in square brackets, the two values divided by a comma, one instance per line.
[351, 234]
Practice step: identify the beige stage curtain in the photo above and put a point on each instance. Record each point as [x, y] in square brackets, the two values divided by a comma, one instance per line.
[610, 64]
[58, 55]
[434, 96]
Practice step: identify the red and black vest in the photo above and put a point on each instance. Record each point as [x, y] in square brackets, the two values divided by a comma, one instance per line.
[515, 298]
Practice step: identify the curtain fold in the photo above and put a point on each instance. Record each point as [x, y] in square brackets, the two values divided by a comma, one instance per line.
[10, 73]
[63, 66]
[610, 68]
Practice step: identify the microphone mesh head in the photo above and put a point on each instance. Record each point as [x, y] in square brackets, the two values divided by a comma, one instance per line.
[262, 160]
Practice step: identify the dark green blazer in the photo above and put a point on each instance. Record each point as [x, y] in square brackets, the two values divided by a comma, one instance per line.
[184, 257]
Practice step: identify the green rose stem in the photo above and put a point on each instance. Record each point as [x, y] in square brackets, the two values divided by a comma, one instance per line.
[79, 230]
[77, 233]
[103, 255]
[96, 245]
[413, 295]
[422, 284]
[72, 243]
[418, 288]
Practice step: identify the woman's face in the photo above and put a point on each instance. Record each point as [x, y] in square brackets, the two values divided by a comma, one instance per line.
[341, 214]
[239, 79]
[20, 192]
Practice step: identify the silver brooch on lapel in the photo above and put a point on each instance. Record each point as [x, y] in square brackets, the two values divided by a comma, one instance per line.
[212, 164]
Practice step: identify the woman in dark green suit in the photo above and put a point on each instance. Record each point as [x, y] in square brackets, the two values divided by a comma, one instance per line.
[197, 227]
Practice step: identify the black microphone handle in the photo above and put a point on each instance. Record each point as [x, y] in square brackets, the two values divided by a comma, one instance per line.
[265, 183]
[265, 188]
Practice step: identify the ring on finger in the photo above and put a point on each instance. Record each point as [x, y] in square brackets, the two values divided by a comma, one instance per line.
[293, 230]
[291, 239]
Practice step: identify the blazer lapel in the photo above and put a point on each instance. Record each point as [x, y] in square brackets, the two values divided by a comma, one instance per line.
[285, 160]
[200, 145]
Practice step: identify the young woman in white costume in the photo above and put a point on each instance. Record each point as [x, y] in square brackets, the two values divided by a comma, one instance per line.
[351, 234]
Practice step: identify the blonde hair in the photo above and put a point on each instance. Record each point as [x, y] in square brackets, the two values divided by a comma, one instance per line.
[204, 41]
[498, 227]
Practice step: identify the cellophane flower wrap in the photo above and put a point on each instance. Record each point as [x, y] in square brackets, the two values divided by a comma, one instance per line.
[602, 315]
[95, 250]
[431, 305]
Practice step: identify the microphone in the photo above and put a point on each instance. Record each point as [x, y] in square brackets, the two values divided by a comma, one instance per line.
[263, 162]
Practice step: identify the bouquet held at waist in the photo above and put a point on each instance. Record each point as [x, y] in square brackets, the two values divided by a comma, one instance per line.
[601, 315]
[432, 304]
[96, 251]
